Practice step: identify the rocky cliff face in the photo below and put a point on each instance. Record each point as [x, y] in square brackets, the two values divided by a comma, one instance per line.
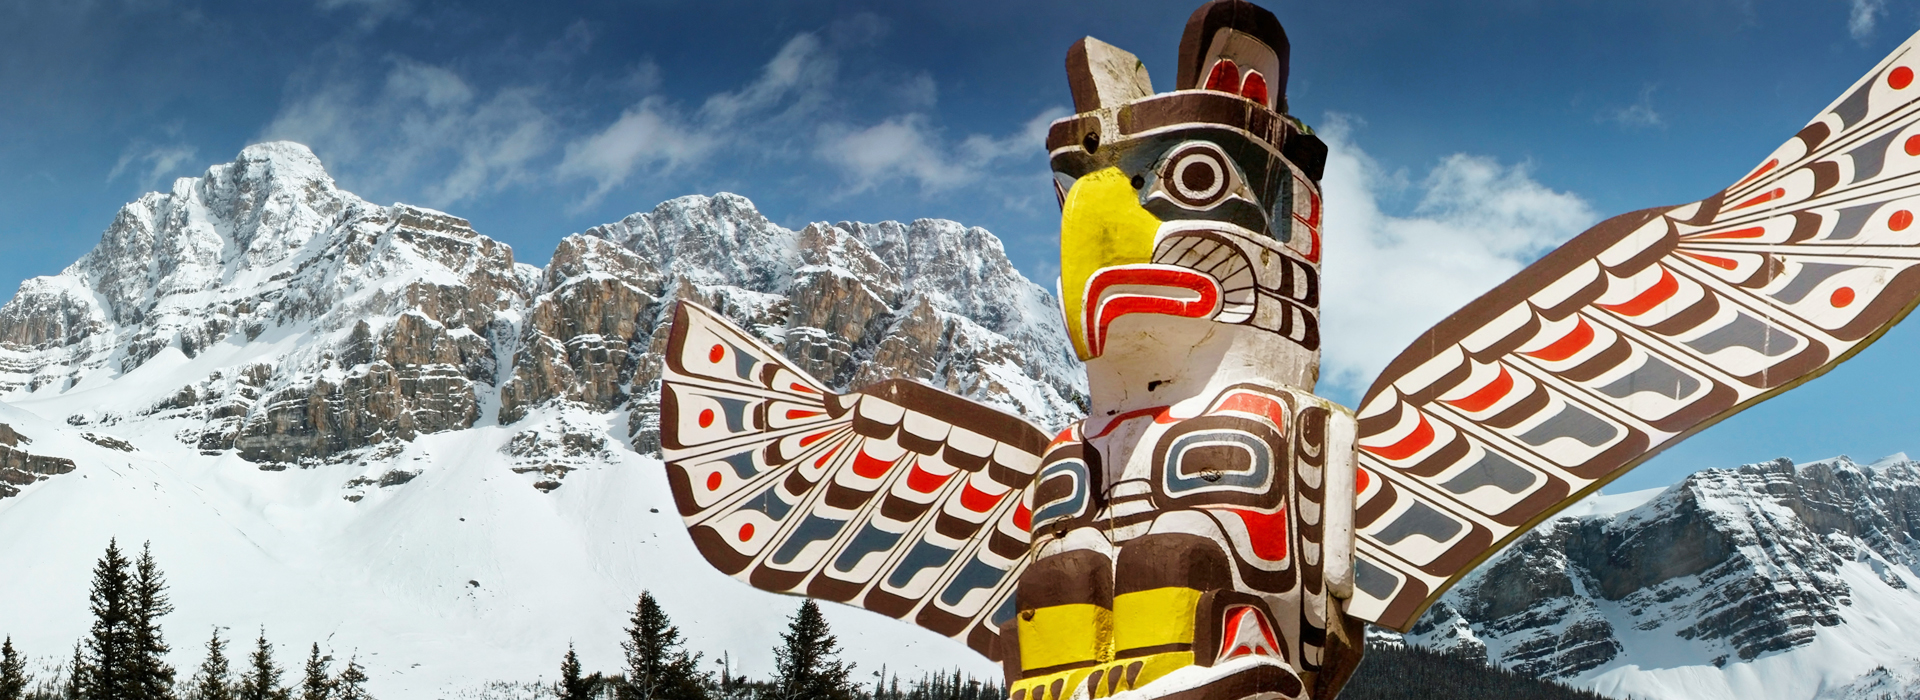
[260, 318]
[262, 311]
[852, 303]
[18, 467]
[1729, 567]
[391, 308]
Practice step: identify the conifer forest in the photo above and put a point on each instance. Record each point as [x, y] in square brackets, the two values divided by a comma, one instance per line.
[122, 657]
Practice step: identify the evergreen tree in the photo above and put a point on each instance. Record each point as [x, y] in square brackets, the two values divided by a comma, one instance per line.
[214, 680]
[572, 686]
[1410, 672]
[807, 663]
[78, 675]
[352, 683]
[262, 679]
[729, 684]
[150, 677]
[316, 685]
[13, 672]
[109, 665]
[658, 666]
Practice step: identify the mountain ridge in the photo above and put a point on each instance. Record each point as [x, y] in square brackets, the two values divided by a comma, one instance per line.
[414, 303]
[1771, 579]
[370, 425]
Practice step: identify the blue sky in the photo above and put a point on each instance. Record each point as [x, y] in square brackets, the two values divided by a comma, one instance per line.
[1469, 138]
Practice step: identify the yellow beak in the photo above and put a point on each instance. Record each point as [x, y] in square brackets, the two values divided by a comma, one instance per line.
[1101, 225]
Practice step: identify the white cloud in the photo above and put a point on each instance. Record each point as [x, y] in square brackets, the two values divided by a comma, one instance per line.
[151, 162]
[908, 148]
[796, 80]
[784, 113]
[1862, 16]
[428, 134]
[1029, 140]
[646, 135]
[653, 135]
[900, 147]
[1387, 278]
[423, 132]
[372, 12]
[1639, 114]
[919, 91]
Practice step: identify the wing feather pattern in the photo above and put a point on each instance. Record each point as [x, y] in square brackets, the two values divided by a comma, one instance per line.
[898, 498]
[1634, 335]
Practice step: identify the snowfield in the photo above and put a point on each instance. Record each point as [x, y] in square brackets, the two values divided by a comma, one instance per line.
[1668, 639]
[447, 550]
[369, 427]
[464, 576]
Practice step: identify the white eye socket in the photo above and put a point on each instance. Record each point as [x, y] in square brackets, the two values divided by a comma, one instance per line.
[1196, 175]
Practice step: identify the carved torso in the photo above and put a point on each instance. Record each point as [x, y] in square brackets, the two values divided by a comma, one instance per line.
[1182, 528]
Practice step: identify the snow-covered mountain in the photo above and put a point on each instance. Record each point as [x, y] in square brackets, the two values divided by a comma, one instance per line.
[369, 426]
[1775, 580]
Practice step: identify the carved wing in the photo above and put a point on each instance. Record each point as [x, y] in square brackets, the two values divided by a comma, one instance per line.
[1634, 335]
[898, 498]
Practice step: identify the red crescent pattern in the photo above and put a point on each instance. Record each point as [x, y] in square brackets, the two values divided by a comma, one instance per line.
[1636, 334]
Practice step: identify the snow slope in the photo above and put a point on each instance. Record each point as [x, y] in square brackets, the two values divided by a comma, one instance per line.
[316, 393]
[368, 426]
[463, 575]
[1769, 581]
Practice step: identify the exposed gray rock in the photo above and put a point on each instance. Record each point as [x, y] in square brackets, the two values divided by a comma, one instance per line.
[20, 468]
[1739, 562]
[405, 321]
[850, 303]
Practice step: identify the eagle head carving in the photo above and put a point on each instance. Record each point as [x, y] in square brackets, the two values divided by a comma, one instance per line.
[1198, 206]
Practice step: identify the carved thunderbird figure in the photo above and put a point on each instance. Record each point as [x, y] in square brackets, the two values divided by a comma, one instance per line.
[1213, 530]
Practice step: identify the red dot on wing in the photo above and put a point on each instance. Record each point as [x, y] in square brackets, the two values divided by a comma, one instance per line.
[706, 418]
[746, 532]
[716, 353]
[1913, 145]
[713, 482]
[1900, 220]
[1900, 78]
[1842, 297]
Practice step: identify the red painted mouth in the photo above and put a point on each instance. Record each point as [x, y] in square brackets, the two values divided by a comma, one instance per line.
[1145, 289]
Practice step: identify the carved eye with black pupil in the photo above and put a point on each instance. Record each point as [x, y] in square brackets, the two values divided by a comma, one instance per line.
[1196, 176]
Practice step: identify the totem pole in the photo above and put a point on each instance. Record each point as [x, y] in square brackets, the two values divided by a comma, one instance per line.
[1213, 530]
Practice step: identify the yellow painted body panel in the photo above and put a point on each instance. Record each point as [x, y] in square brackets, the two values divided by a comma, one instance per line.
[1154, 617]
[1066, 634]
[1104, 680]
